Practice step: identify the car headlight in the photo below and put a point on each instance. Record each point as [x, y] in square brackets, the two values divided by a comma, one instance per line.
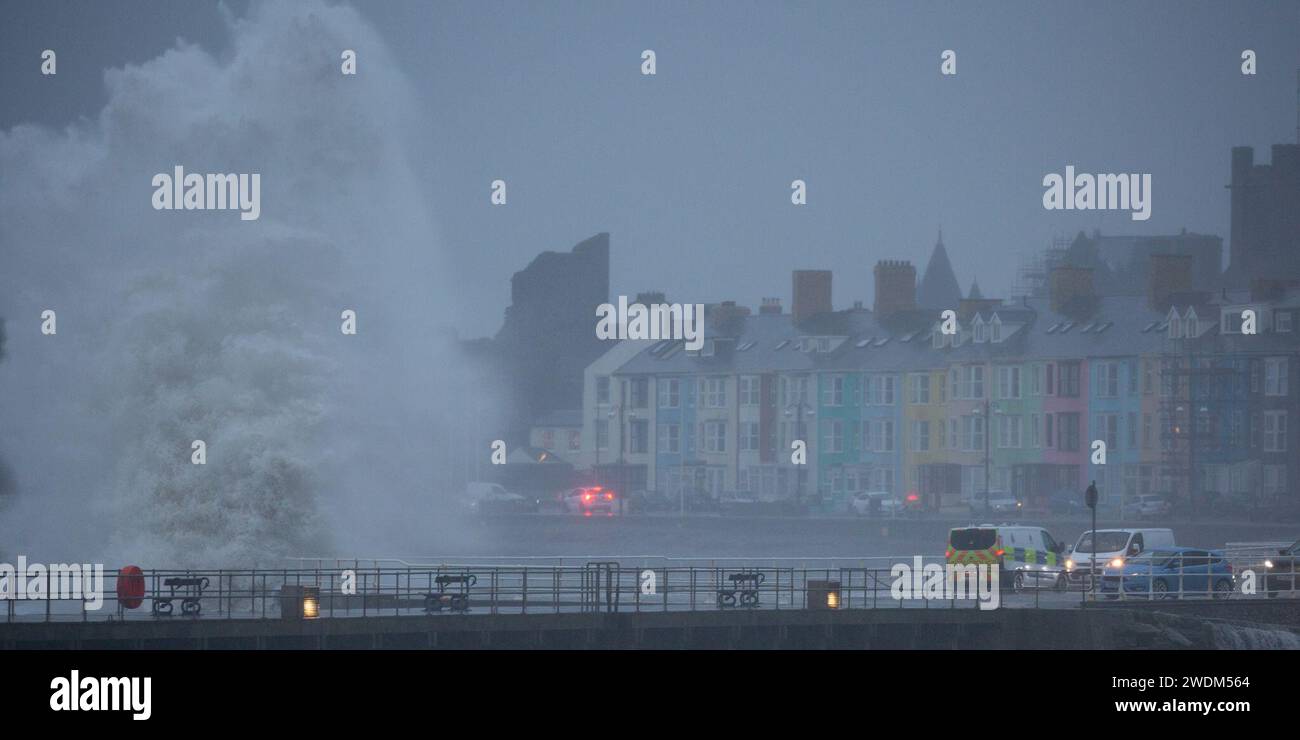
[1117, 563]
[1069, 565]
[1268, 563]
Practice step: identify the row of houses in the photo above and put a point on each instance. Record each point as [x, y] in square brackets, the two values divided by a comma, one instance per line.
[1186, 404]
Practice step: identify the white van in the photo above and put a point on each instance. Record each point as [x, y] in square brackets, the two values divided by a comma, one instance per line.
[1114, 546]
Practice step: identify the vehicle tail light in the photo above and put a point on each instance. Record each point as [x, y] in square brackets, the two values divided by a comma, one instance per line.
[999, 552]
[609, 497]
[586, 498]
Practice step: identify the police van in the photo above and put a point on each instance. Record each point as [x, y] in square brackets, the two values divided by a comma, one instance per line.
[1026, 556]
[1114, 546]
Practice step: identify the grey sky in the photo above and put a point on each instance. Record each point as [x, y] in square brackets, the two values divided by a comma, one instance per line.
[690, 170]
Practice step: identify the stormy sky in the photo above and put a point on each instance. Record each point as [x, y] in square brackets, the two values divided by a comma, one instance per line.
[690, 170]
[176, 326]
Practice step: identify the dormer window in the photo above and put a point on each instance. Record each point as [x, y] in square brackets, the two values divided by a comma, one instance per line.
[995, 329]
[1175, 324]
[936, 338]
[981, 335]
[1191, 327]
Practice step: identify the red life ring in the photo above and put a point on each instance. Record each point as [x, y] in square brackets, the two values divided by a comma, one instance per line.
[130, 587]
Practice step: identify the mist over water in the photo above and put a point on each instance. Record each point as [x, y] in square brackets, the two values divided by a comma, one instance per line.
[182, 325]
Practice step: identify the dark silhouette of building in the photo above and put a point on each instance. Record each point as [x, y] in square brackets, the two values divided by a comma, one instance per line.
[549, 333]
[1120, 264]
[1265, 215]
[938, 289]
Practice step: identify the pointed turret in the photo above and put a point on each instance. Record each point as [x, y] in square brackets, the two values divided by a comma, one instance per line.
[938, 289]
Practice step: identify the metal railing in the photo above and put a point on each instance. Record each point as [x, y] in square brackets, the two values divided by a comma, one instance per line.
[366, 588]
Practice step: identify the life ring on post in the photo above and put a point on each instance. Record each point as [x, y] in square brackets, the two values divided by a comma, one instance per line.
[130, 587]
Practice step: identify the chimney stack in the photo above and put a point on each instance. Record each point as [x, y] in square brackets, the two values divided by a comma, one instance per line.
[1071, 290]
[895, 287]
[1167, 276]
[727, 319]
[812, 294]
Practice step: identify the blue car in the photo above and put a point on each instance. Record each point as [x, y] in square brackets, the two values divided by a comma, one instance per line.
[1169, 573]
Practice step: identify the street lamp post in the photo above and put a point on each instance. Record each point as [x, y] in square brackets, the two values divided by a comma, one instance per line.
[799, 405]
[984, 413]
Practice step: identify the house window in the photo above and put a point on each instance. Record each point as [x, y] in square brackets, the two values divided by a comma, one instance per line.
[1008, 382]
[749, 436]
[995, 330]
[878, 435]
[1282, 321]
[1069, 379]
[640, 392]
[602, 434]
[921, 436]
[670, 438]
[575, 440]
[548, 439]
[669, 393]
[715, 436]
[1035, 430]
[835, 436]
[1106, 428]
[1107, 379]
[639, 436]
[749, 390]
[1009, 432]
[920, 388]
[833, 391]
[1067, 432]
[1275, 431]
[972, 433]
[714, 392]
[1275, 376]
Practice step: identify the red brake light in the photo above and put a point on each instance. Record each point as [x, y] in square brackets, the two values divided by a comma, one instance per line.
[913, 497]
[586, 498]
[999, 552]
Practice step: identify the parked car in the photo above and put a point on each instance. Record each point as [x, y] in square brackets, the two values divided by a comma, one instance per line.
[1066, 501]
[999, 502]
[493, 498]
[1282, 573]
[1150, 506]
[592, 501]
[884, 504]
[1169, 573]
